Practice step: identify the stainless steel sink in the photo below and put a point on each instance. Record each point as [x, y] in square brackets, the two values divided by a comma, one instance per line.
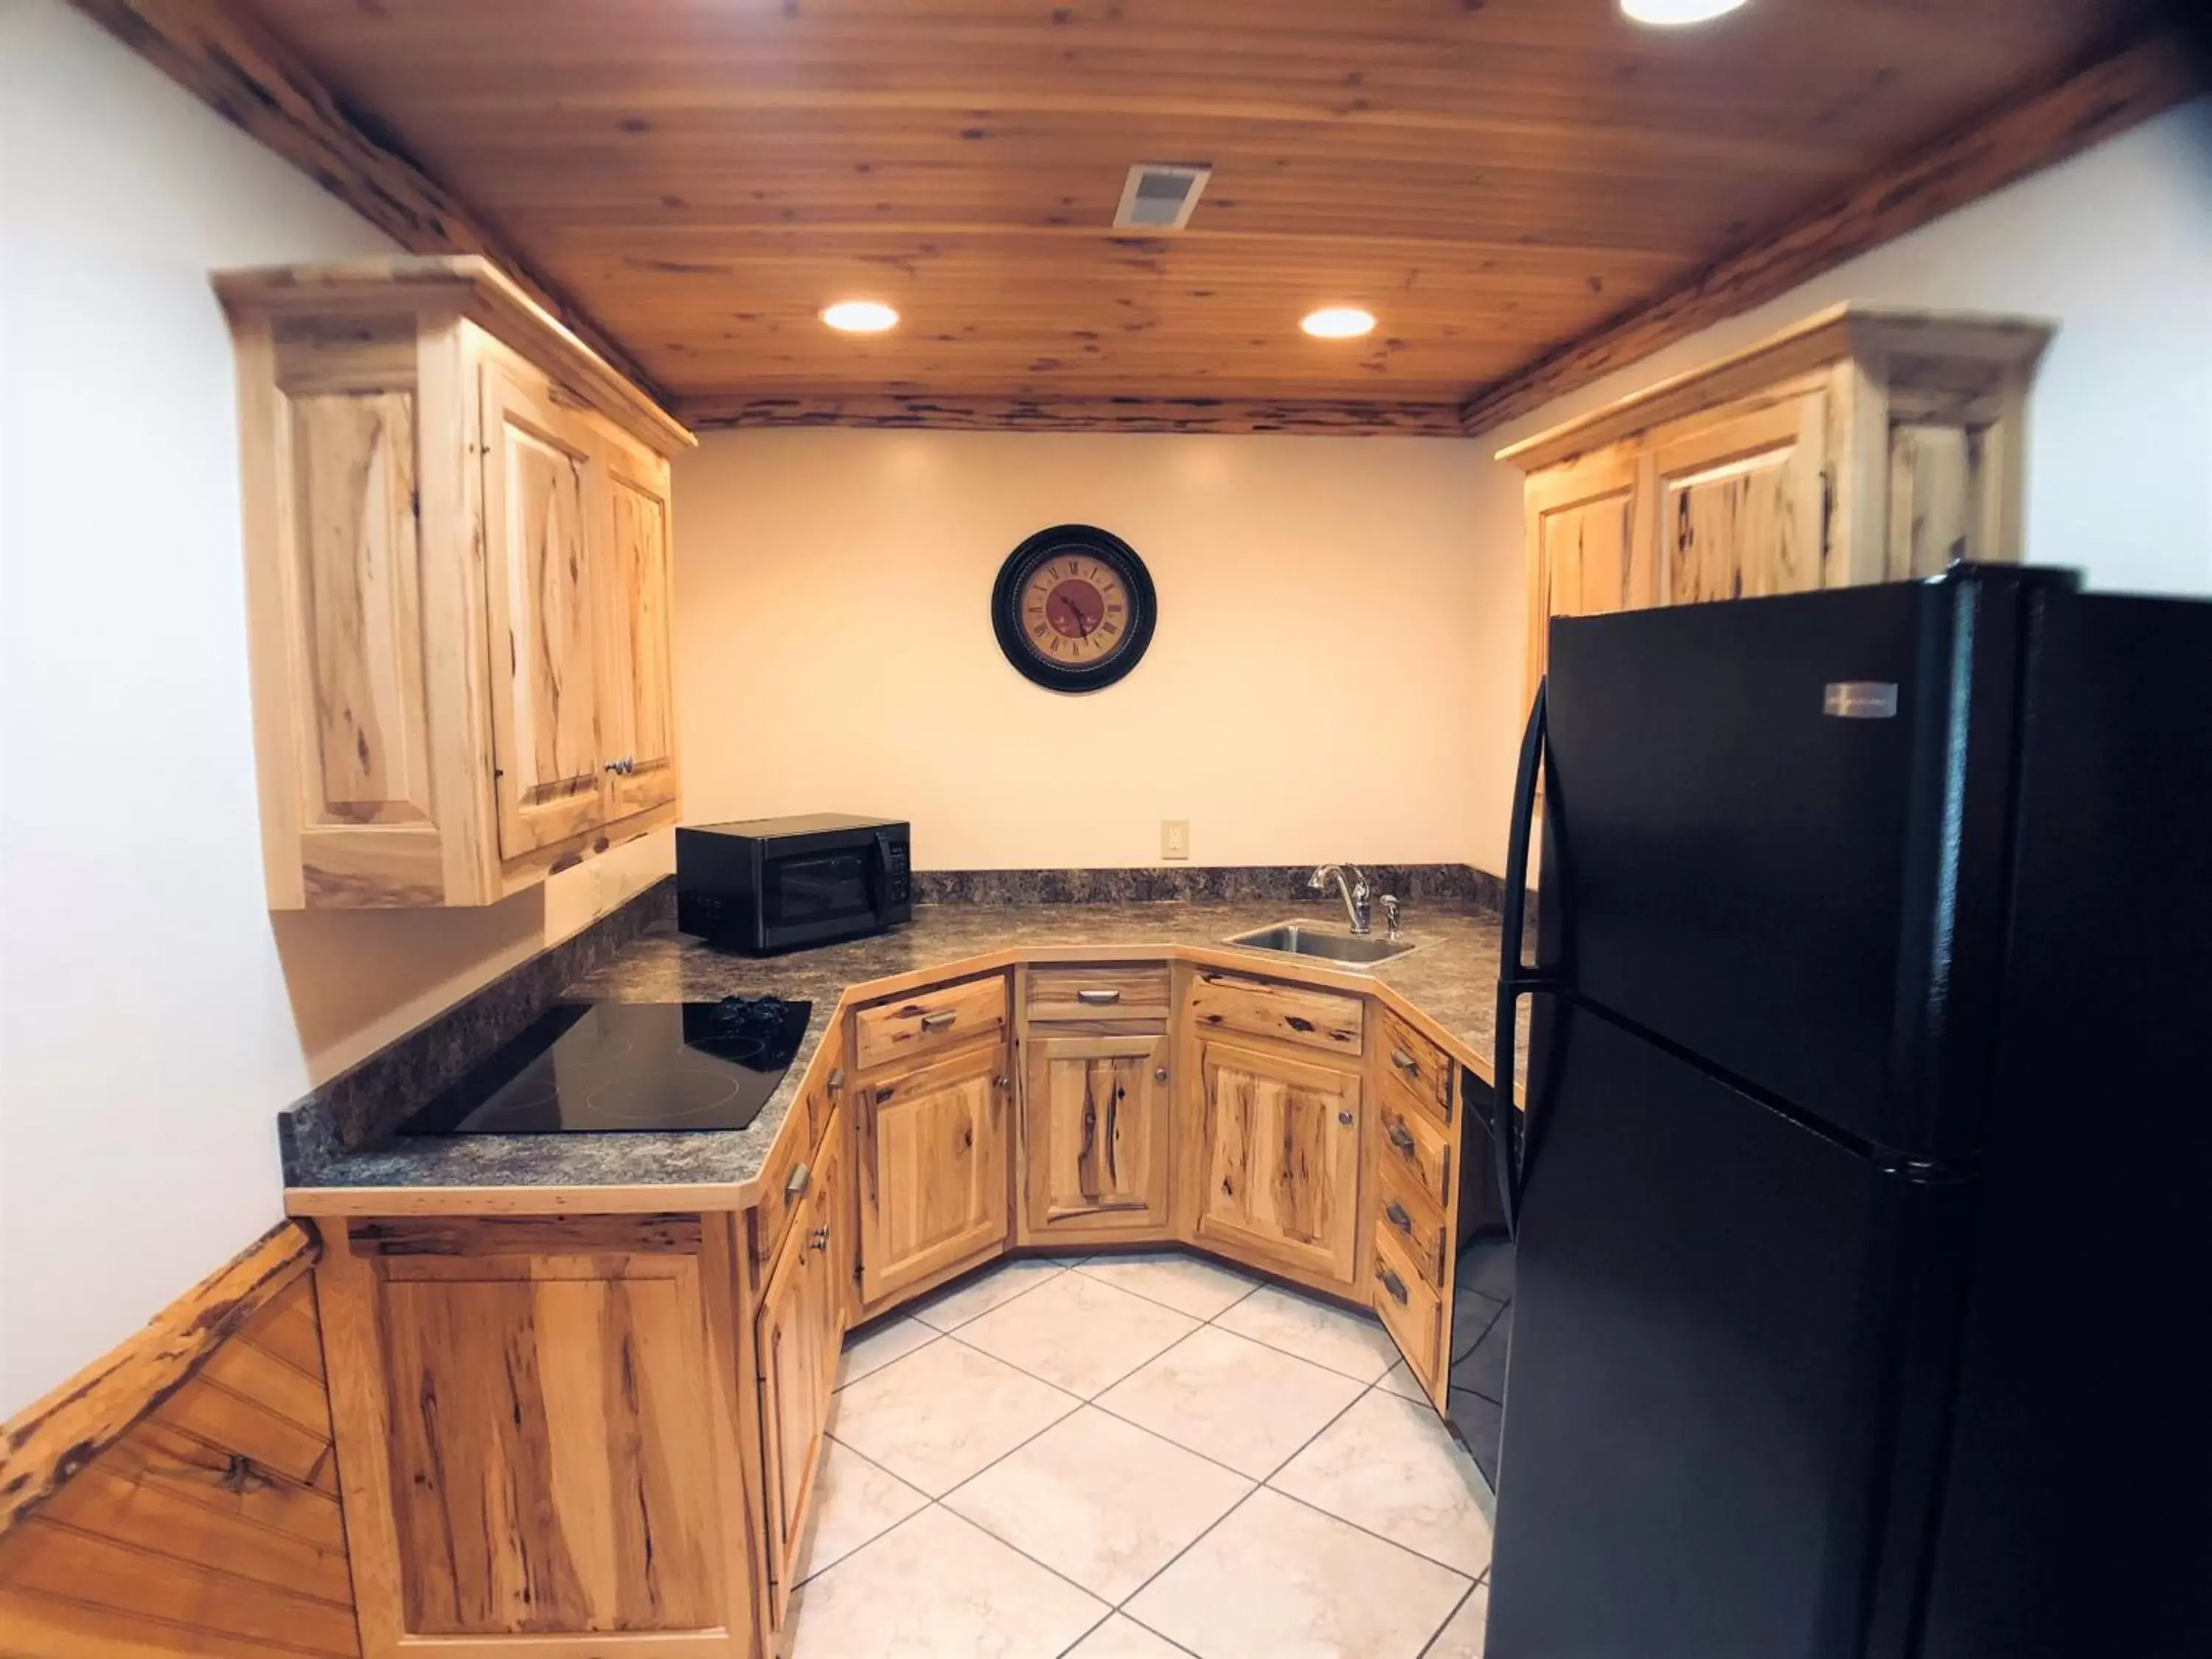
[1298, 939]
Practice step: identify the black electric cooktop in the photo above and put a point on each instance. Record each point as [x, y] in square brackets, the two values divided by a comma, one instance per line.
[599, 1066]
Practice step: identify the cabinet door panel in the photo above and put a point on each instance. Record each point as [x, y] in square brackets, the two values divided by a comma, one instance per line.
[933, 1169]
[1743, 505]
[1584, 557]
[796, 1370]
[637, 697]
[1095, 1135]
[551, 1467]
[539, 495]
[1281, 1145]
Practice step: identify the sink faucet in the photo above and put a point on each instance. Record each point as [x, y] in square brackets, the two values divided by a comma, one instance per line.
[1357, 899]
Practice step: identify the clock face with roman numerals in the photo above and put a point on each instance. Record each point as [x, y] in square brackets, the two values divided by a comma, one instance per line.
[1074, 608]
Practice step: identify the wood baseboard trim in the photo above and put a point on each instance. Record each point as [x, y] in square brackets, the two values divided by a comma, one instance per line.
[49, 1441]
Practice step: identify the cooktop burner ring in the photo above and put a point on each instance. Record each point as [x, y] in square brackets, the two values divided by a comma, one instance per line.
[661, 1095]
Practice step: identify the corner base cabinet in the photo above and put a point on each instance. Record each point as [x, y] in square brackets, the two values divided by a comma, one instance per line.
[539, 1435]
[457, 559]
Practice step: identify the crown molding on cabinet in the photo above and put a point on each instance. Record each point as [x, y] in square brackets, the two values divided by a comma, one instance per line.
[468, 285]
[2116, 91]
[252, 81]
[1309, 417]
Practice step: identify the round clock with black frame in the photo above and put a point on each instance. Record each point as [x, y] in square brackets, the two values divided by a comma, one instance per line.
[1074, 608]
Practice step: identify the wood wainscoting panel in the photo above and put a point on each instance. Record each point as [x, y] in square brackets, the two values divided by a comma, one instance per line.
[211, 1525]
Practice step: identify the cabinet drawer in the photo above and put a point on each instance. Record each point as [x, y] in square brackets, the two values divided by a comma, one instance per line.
[1125, 990]
[1406, 1209]
[1408, 1140]
[1289, 1013]
[1412, 1308]
[927, 1021]
[1421, 1071]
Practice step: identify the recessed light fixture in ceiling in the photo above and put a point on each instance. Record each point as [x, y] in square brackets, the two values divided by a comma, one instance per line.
[859, 317]
[1674, 13]
[1337, 323]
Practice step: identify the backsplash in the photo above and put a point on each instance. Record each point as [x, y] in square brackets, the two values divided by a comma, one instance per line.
[1196, 884]
[358, 1106]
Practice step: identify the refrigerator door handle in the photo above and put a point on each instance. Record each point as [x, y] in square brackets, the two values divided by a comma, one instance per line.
[1515, 981]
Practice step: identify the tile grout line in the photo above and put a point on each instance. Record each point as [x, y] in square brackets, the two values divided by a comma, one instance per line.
[1261, 1483]
[1438, 1634]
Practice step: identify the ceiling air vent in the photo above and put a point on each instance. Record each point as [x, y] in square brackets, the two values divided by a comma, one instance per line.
[1159, 195]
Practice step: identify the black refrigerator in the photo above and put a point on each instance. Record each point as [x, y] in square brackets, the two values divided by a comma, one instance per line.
[1863, 1192]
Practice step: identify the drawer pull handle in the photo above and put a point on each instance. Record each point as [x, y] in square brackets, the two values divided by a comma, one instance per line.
[939, 1020]
[836, 1077]
[795, 1182]
[1402, 1139]
[1399, 1219]
[1392, 1283]
[1098, 999]
[1405, 1062]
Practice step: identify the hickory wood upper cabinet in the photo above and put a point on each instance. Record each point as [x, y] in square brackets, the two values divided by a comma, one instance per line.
[1866, 443]
[456, 551]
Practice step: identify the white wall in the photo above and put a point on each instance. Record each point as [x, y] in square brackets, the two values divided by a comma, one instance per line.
[153, 1017]
[1308, 694]
[2114, 244]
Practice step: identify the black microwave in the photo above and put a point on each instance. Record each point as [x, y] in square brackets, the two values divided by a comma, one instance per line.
[767, 884]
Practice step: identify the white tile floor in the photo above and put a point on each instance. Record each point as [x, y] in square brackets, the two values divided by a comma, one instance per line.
[1138, 1457]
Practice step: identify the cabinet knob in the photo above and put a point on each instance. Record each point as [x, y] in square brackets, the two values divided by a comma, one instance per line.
[1344, 1118]
[614, 766]
[1159, 1074]
[1002, 1082]
[1402, 1139]
[818, 1239]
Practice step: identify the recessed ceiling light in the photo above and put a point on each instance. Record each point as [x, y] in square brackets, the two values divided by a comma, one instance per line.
[859, 317]
[1673, 14]
[1337, 322]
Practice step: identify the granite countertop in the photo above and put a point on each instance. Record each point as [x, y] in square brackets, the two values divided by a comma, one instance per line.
[1451, 978]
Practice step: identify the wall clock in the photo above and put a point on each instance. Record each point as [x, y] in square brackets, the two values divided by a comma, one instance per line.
[1074, 608]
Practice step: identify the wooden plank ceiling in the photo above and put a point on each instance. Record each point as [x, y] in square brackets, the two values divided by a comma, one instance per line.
[1492, 179]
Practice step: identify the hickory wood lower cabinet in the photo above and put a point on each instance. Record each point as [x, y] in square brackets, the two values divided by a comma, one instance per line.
[596, 1436]
[538, 1434]
[1094, 1160]
[930, 1163]
[1278, 1140]
[797, 1333]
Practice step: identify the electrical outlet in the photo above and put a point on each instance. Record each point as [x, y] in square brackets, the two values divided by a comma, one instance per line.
[1174, 838]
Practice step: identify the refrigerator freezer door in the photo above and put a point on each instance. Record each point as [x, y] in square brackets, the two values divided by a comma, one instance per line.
[1774, 837]
[1702, 1400]
[2077, 1518]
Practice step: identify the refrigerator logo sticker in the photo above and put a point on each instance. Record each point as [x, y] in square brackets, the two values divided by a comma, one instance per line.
[1860, 700]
